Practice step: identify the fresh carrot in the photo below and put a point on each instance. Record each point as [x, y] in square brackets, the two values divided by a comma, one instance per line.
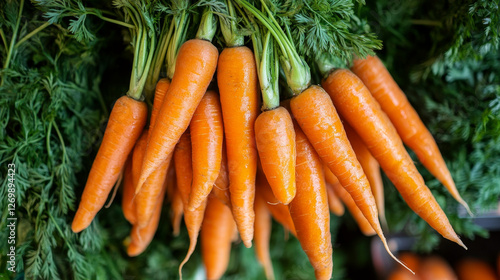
[263, 225]
[160, 92]
[403, 116]
[221, 185]
[334, 203]
[125, 125]
[279, 211]
[362, 112]
[176, 206]
[371, 168]
[239, 96]
[275, 139]
[410, 259]
[207, 134]
[184, 174]
[141, 236]
[432, 268]
[472, 269]
[309, 208]
[128, 205]
[216, 234]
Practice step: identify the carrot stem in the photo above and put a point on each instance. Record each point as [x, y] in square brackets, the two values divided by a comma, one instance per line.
[229, 29]
[178, 27]
[208, 26]
[13, 40]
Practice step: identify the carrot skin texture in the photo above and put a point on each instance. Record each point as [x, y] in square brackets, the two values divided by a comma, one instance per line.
[160, 92]
[263, 226]
[371, 167]
[334, 203]
[275, 139]
[221, 185]
[128, 205]
[239, 96]
[408, 124]
[176, 206]
[195, 67]
[309, 209]
[207, 134]
[126, 121]
[217, 231]
[363, 113]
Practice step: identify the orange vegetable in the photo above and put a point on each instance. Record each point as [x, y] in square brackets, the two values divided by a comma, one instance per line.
[275, 139]
[207, 133]
[195, 67]
[263, 226]
[216, 235]
[221, 185]
[160, 92]
[362, 112]
[128, 205]
[401, 274]
[177, 208]
[406, 120]
[309, 208]
[410, 259]
[474, 269]
[334, 203]
[239, 96]
[125, 124]
[433, 268]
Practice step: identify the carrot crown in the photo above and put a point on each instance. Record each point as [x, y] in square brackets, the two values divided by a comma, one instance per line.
[229, 29]
[208, 25]
[178, 27]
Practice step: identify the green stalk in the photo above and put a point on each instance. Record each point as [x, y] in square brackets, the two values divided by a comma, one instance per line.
[208, 26]
[297, 71]
[268, 69]
[32, 33]
[326, 63]
[229, 29]
[13, 40]
[179, 25]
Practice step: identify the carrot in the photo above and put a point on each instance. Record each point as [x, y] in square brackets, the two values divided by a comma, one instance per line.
[263, 225]
[128, 205]
[239, 96]
[435, 267]
[125, 124]
[160, 92]
[334, 203]
[207, 133]
[362, 112]
[216, 234]
[177, 208]
[275, 139]
[279, 211]
[221, 185]
[309, 208]
[403, 116]
[410, 259]
[184, 174]
[141, 236]
[400, 274]
[195, 67]
[472, 269]
[370, 167]
[358, 216]
[313, 107]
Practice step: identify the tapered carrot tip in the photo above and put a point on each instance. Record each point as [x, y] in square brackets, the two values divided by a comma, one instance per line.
[248, 243]
[133, 250]
[82, 220]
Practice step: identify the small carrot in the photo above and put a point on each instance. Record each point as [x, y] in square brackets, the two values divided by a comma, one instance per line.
[216, 233]
[309, 208]
[128, 205]
[184, 174]
[239, 97]
[177, 208]
[207, 133]
[472, 269]
[334, 203]
[371, 168]
[435, 267]
[221, 185]
[362, 112]
[403, 116]
[125, 125]
[263, 225]
[279, 211]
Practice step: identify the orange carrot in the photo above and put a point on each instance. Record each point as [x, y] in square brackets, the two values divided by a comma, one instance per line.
[216, 234]
[334, 203]
[184, 174]
[332, 180]
[318, 119]
[195, 67]
[403, 116]
[309, 208]
[141, 236]
[275, 139]
[400, 274]
[434, 267]
[221, 185]
[279, 211]
[410, 259]
[263, 225]
[370, 167]
[362, 112]
[239, 96]
[160, 92]
[128, 205]
[177, 208]
[125, 124]
[472, 269]
[207, 133]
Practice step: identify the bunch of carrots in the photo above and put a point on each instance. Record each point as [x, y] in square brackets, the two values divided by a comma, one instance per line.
[229, 151]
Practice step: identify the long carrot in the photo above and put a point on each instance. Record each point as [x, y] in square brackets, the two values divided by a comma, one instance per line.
[363, 113]
[309, 209]
[239, 96]
[207, 134]
[217, 231]
[263, 226]
[128, 205]
[334, 203]
[410, 127]
[176, 206]
[195, 67]
[371, 168]
[184, 174]
[221, 185]
[125, 125]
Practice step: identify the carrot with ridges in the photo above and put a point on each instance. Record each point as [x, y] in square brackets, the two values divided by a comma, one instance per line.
[263, 226]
